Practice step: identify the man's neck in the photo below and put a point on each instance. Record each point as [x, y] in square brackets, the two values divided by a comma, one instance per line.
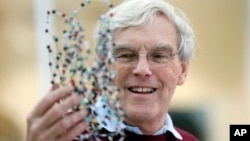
[148, 127]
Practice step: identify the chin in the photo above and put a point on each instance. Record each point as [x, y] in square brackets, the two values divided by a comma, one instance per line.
[141, 113]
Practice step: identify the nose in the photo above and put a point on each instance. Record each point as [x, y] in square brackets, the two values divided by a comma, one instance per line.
[142, 67]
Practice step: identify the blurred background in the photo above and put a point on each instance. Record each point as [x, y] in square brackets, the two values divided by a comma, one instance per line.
[215, 95]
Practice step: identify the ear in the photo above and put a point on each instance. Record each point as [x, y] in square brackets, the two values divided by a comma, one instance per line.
[183, 73]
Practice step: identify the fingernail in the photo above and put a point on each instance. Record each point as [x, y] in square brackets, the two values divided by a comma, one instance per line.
[55, 86]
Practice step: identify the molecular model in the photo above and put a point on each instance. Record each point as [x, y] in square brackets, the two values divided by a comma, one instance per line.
[71, 63]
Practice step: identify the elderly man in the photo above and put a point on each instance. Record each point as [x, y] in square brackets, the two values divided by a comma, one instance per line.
[153, 46]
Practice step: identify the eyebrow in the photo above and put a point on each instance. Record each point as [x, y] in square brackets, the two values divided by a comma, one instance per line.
[164, 46]
[123, 46]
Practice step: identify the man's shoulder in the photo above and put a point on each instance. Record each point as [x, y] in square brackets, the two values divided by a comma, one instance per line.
[186, 135]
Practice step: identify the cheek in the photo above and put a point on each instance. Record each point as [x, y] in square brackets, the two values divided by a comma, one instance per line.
[168, 76]
[169, 83]
[174, 71]
[122, 74]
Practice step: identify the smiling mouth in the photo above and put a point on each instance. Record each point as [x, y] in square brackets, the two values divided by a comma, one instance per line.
[142, 90]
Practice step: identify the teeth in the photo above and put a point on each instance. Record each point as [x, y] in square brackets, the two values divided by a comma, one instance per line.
[135, 89]
[141, 89]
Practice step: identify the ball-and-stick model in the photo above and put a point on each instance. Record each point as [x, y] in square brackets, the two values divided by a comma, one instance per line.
[71, 63]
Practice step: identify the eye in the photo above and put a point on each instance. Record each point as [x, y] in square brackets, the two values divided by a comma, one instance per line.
[125, 55]
[159, 55]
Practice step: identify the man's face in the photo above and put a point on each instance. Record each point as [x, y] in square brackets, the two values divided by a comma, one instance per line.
[147, 87]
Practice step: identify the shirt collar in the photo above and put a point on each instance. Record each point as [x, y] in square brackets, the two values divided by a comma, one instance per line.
[106, 117]
[168, 126]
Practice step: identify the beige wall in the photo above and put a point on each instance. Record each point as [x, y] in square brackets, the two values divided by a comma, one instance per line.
[216, 81]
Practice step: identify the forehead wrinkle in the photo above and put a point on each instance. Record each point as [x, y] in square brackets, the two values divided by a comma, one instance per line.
[125, 46]
[163, 46]
[159, 46]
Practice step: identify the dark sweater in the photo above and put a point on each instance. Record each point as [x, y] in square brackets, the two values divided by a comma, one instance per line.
[168, 136]
[163, 137]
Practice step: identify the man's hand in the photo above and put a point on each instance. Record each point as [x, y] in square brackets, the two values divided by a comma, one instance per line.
[48, 121]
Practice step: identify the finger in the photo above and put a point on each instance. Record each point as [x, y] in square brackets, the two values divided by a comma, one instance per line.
[64, 124]
[54, 87]
[31, 117]
[48, 101]
[33, 124]
[59, 109]
[74, 132]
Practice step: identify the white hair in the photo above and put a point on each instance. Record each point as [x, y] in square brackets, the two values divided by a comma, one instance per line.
[140, 12]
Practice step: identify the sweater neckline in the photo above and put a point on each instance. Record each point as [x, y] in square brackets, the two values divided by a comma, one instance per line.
[161, 137]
